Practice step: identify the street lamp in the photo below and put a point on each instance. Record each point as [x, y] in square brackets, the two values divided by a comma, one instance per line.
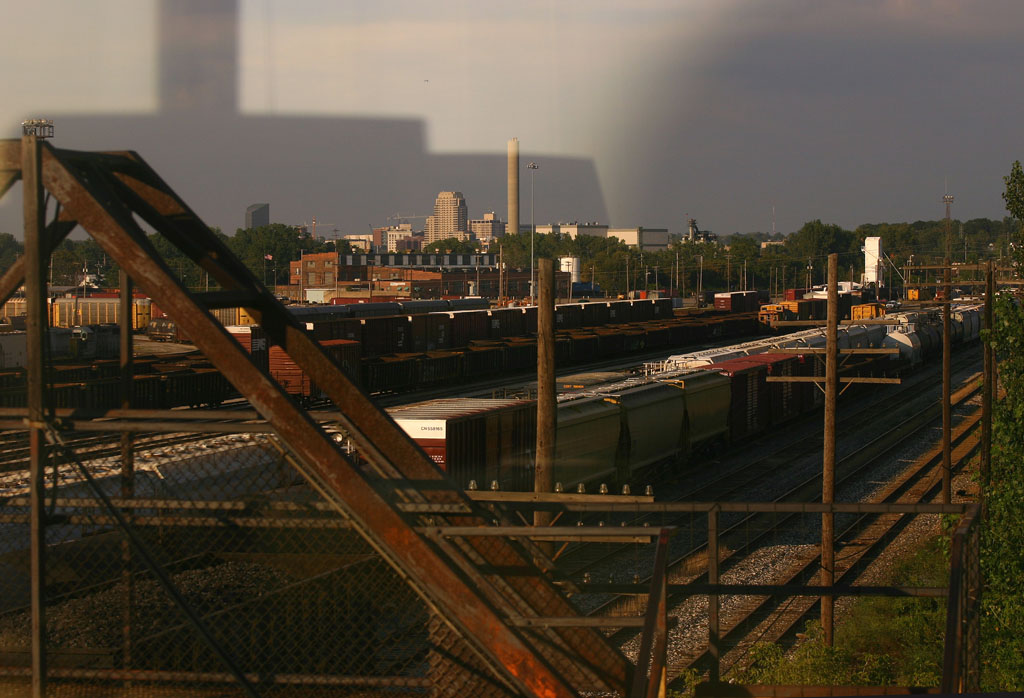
[532, 167]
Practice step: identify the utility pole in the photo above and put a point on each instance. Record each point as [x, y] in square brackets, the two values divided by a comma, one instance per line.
[543, 481]
[682, 279]
[828, 479]
[728, 271]
[947, 475]
[36, 323]
[831, 380]
[679, 288]
[988, 384]
[127, 462]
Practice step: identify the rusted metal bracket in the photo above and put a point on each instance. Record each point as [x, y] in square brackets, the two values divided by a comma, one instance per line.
[654, 640]
[103, 193]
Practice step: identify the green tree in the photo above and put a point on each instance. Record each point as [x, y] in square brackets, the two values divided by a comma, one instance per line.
[283, 243]
[451, 246]
[10, 250]
[1003, 533]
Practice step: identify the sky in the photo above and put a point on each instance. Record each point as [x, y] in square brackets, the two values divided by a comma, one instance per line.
[644, 112]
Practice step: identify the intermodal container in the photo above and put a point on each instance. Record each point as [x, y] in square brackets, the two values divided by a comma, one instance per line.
[475, 439]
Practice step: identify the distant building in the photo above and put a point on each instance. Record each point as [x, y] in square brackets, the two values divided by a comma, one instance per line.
[695, 234]
[873, 261]
[362, 242]
[257, 216]
[394, 235]
[487, 228]
[450, 219]
[574, 229]
[646, 239]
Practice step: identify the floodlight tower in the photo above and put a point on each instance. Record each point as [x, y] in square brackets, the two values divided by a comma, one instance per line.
[40, 128]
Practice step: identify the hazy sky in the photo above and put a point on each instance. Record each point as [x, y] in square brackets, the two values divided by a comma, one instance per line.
[847, 111]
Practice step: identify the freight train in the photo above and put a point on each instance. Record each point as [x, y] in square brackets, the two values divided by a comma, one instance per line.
[398, 353]
[690, 402]
[75, 312]
[382, 353]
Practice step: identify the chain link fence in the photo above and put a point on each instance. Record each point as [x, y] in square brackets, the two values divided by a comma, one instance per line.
[298, 602]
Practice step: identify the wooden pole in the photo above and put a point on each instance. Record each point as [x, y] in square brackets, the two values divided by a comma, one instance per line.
[36, 348]
[714, 629]
[127, 462]
[947, 474]
[987, 388]
[828, 480]
[546, 398]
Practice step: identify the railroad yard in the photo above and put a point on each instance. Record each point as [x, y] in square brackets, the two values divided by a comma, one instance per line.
[696, 436]
[214, 493]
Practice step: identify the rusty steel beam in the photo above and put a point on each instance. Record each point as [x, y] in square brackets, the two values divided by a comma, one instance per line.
[7, 180]
[651, 658]
[10, 155]
[394, 453]
[324, 465]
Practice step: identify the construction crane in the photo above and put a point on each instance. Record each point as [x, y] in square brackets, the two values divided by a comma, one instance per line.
[401, 218]
[312, 228]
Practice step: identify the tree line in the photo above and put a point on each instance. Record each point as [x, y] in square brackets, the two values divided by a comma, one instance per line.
[736, 262]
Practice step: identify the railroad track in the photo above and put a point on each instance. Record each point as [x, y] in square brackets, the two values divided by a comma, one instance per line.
[859, 538]
[766, 462]
[14, 449]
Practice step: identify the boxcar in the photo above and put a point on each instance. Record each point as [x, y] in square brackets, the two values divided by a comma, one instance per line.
[748, 401]
[468, 325]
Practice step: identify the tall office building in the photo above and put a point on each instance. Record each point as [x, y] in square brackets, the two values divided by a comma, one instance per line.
[257, 216]
[450, 219]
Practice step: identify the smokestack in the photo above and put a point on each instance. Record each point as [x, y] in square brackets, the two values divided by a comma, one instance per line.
[513, 185]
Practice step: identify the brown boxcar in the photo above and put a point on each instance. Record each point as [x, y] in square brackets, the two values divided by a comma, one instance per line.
[344, 352]
[468, 325]
[786, 400]
[430, 332]
[748, 403]
[385, 334]
[568, 316]
[595, 314]
[506, 322]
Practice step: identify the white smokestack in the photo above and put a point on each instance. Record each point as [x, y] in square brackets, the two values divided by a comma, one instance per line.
[513, 185]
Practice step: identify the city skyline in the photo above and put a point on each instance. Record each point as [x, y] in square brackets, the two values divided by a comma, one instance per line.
[743, 115]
